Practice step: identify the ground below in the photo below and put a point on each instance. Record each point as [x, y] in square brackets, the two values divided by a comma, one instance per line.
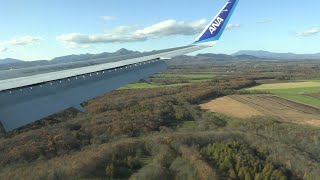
[245, 106]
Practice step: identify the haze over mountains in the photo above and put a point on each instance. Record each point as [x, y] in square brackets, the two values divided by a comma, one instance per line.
[271, 55]
[9, 61]
[241, 55]
[15, 63]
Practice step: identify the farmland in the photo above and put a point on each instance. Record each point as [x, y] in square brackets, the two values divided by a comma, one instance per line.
[188, 75]
[229, 106]
[149, 86]
[246, 106]
[304, 92]
[172, 80]
[203, 121]
[293, 85]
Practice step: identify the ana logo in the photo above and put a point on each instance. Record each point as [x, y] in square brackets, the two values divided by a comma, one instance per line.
[216, 23]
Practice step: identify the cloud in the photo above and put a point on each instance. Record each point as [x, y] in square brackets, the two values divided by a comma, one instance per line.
[3, 49]
[233, 26]
[122, 29]
[125, 34]
[24, 40]
[264, 21]
[309, 32]
[75, 39]
[172, 27]
[11, 44]
[108, 18]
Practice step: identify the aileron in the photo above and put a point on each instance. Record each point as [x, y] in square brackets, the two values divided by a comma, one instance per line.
[27, 95]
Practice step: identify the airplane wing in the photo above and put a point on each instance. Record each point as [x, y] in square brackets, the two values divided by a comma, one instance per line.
[30, 94]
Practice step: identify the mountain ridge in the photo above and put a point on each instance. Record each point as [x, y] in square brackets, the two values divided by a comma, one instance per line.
[240, 55]
[9, 60]
[273, 55]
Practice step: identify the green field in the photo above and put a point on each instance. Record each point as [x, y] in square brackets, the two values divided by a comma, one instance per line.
[188, 76]
[290, 85]
[314, 80]
[149, 86]
[295, 93]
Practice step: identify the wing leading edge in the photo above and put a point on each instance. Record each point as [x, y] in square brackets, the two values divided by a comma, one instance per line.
[26, 99]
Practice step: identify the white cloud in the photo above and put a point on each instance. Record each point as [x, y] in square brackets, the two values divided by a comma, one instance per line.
[108, 18]
[23, 40]
[76, 39]
[11, 44]
[172, 27]
[309, 32]
[121, 29]
[233, 26]
[124, 34]
[3, 49]
[265, 21]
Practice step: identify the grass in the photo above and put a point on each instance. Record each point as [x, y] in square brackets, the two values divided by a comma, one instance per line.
[302, 98]
[150, 86]
[316, 95]
[140, 86]
[188, 76]
[191, 77]
[299, 94]
[146, 160]
[299, 91]
[187, 125]
[292, 85]
[306, 90]
[314, 80]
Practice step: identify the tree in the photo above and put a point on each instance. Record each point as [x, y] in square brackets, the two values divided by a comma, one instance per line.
[232, 174]
[307, 176]
[110, 170]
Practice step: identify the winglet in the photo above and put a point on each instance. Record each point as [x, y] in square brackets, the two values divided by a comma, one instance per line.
[216, 27]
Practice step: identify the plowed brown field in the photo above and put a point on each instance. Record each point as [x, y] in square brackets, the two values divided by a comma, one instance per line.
[245, 106]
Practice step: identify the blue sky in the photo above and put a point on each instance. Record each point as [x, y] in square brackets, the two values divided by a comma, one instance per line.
[39, 29]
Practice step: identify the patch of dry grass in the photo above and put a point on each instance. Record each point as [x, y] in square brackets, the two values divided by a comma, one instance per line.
[286, 85]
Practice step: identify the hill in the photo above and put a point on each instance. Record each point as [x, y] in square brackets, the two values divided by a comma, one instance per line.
[248, 55]
[16, 64]
[272, 55]
[216, 56]
[84, 57]
[9, 61]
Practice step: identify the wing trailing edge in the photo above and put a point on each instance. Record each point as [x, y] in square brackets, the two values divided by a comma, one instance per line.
[25, 99]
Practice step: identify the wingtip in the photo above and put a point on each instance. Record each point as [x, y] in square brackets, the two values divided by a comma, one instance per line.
[215, 28]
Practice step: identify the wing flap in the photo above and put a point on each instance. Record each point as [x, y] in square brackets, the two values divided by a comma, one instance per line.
[21, 107]
[34, 93]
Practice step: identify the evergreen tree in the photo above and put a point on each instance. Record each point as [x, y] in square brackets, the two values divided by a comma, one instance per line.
[232, 174]
[110, 170]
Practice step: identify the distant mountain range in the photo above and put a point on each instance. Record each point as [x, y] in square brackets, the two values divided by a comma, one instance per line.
[271, 55]
[15, 63]
[241, 55]
[83, 57]
[229, 57]
[9, 61]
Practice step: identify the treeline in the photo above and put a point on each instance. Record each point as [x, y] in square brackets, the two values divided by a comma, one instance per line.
[136, 134]
[128, 113]
[292, 145]
[184, 155]
[238, 161]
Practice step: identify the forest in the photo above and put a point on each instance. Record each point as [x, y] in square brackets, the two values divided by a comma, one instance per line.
[162, 133]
